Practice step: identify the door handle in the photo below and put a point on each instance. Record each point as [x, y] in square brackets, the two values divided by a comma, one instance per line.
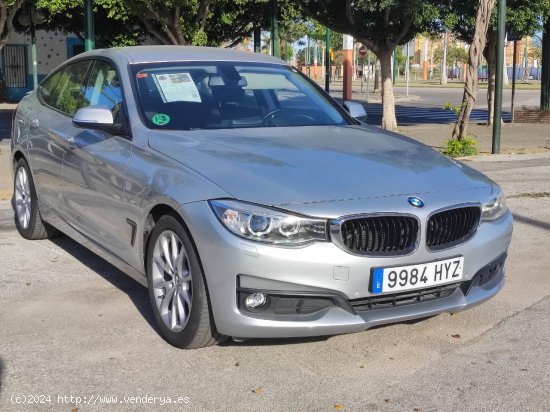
[34, 124]
[69, 141]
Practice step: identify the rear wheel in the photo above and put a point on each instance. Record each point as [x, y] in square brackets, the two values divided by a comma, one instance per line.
[28, 221]
[177, 289]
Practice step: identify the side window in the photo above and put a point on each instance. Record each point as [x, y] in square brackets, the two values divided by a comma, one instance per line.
[64, 90]
[47, 88]
[103, 87]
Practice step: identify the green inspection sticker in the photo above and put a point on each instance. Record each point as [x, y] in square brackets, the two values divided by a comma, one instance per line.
[161, 119]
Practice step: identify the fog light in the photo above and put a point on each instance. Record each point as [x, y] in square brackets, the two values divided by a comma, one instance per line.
[255, 300]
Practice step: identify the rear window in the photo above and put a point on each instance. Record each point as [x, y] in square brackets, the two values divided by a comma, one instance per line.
[217, 95]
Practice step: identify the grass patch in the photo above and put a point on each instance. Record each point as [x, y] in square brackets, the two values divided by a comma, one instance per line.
[460, 148]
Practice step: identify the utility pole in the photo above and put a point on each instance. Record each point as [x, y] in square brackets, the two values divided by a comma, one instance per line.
[89, 35]
[327, 60]
[407, 68]
[275, 46]
[515, 56]
[501, 32]
[368, 74]
[32, 11]
[545, 66]
[444, 62]
[308, 57]
[347, 46]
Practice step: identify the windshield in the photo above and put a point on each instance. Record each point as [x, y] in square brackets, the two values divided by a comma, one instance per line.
[219, 95]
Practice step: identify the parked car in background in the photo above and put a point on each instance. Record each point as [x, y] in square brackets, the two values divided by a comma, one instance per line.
[247, 200]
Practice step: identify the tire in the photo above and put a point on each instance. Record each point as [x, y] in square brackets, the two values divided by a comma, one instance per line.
[177, 289]
[28, 221]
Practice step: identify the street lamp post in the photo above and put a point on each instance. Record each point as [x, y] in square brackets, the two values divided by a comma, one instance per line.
[31, 19]
[89, 35]
[327, 60]
[501, 22]
[443, 79]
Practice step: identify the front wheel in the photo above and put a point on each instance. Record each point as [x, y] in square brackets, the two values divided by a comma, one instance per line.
[177, 289]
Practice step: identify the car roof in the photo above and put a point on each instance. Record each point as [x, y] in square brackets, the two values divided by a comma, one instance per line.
[152, 54]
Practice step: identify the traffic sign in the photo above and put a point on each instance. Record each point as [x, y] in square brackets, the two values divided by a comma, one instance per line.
[362, 50]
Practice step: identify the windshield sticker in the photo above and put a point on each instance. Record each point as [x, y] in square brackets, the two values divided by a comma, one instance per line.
[142, 75]
[160, 119]
[177, 87]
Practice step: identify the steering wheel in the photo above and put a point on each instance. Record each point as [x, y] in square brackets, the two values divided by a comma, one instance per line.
[270, 118]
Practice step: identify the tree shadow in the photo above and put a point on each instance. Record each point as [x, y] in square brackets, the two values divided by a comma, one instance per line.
[137, 293]
[532, 222]
[2, 368]
[418, 114]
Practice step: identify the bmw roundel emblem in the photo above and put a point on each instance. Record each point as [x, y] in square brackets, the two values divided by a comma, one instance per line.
[416, 202]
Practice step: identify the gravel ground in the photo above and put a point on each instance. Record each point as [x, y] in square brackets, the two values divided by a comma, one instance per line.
[72, 325]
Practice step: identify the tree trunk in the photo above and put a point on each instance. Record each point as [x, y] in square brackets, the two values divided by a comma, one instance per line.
[377, 76]
[490, 54]
[7, 14]
[483, 16]
[389, 122]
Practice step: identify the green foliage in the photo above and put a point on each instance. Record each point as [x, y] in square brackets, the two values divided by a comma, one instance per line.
[200, 38]
[454, 108]
[523, 17]
[460, 148]
[114, 26]
[454, 54]
[400, 57]
[377, 23]
[121, 22]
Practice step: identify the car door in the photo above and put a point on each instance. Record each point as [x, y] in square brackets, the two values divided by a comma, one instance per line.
[50, 130]
[94, 170]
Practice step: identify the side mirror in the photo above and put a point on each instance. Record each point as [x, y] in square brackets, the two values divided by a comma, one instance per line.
[356, 110]
[96, 118]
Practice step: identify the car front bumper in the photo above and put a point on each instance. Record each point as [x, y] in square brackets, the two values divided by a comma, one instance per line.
[322, 272]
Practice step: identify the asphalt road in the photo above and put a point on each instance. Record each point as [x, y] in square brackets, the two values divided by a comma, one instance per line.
[425, 104]
[71, 324]
[437, 97]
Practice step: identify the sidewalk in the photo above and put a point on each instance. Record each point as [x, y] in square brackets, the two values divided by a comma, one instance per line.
[515, 138]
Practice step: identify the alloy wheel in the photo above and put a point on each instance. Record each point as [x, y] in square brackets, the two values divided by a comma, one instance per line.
[171, 279]
[23, 200]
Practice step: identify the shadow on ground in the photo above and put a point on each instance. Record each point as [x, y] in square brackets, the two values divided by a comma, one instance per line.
[136, 292]
[5, 124]
[2, 368]
[533, 222]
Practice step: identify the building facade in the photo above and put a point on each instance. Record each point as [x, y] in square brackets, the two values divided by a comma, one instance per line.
[52, 49]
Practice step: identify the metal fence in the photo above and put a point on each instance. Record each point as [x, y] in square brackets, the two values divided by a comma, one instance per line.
[14, 65]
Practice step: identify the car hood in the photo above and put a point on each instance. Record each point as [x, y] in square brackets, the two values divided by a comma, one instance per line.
[296, 165]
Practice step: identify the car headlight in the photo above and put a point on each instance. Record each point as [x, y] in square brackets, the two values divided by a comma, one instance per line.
[494, 208]
[267, 225]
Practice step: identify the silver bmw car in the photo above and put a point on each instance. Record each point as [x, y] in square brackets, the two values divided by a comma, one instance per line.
[248, 201]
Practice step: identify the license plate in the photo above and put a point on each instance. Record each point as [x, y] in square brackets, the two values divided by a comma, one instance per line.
[423, 275]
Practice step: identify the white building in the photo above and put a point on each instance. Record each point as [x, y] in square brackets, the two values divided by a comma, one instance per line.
[52, 49]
